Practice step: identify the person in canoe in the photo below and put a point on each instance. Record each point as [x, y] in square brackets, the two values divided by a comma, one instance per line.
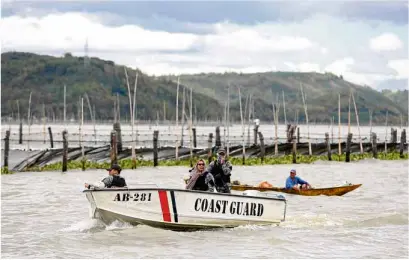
[200, 178]
[221, 171]
[113, 180]
[295, 182]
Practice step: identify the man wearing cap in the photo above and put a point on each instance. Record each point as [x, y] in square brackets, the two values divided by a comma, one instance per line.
[296, 183]
[221, 171]
[114, 180]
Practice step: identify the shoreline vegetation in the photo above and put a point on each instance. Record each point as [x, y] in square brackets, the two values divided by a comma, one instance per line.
[237, 161]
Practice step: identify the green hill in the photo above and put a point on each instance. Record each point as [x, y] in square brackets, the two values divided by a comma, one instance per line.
[45, 76]
[399, 97]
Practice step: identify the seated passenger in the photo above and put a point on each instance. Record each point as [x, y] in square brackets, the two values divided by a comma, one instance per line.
[200, 179]
[114, 180]
[265, 184]
[296, 183]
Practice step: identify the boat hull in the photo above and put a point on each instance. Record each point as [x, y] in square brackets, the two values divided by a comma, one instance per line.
[332, 191]
[184, 210]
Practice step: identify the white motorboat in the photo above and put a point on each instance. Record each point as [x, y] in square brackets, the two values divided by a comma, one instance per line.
[186, 210]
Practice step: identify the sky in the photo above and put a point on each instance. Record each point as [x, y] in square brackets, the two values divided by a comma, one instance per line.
[365, 42]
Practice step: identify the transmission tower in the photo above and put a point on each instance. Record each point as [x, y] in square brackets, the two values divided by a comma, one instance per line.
[86, 58]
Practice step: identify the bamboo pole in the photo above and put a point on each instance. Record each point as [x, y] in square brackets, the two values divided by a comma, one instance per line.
[332, 129]
[357, 121]
[349, 113]
[29, 121]
[242, 128]
[306, 117]
[276, 124]
[244, 116]
[285, 116]
[65, 106]
[249, 121]
[82, 125]
[157, 120]
[228, 121]
[275, 115]
[190, 128]
[135, 109]
[386, 132]
[225, 124]
[370, 122]
[115, 112]
[132, 115]
[44, 118]
[177, 122]
[18, 111]
[119, 107]
[92, 117]
[183, 115]
[195, 121]
[164, 112]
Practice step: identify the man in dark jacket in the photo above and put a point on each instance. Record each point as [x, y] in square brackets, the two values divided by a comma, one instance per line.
[221, 171]
[114, 180]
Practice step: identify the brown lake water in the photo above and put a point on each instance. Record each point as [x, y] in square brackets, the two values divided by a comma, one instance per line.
[46, 215]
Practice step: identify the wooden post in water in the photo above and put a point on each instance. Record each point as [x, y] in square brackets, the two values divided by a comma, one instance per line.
[327, 142]
[294, 150]
[374, 146]
[194, 137]
[64, 150]
[262, 148]
[117, 128]
[218, 141]
[255, 134]
[114, 148]
[155, 147]
[50, 133]
[20, 133]
[402, 142]
[6, 149]
[348, 148]
[298, 135]
[209, 146]
[394, 135]
[288, 133]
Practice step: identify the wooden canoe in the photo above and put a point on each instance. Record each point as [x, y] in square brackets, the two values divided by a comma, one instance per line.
[332, 191]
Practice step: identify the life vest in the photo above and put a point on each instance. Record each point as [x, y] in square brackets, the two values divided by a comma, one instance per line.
[201, 183]
[217, 169]
[117, 181]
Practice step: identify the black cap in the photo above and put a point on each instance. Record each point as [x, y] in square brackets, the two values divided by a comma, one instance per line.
[115, 167]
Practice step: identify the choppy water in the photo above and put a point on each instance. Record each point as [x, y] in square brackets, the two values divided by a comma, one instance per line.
[45, 215]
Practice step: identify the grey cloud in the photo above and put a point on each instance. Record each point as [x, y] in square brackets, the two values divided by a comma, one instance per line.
[215, 11]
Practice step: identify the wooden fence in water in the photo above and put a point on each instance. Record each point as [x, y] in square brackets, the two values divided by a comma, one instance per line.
[257, 148]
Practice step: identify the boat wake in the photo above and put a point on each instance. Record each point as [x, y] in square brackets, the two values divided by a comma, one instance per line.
[95, 225]
[311, 221]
